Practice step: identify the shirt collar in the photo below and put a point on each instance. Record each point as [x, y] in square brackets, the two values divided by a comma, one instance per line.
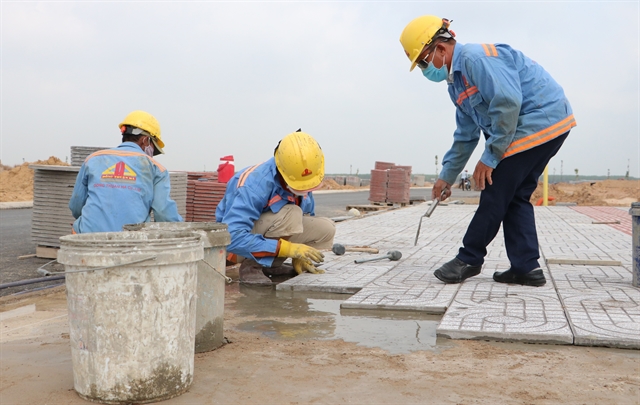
[131, 145]
[455, 62]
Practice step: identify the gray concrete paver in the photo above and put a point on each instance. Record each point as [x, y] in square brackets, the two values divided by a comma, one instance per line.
[602, 306]
[483, 308]
[580, 304]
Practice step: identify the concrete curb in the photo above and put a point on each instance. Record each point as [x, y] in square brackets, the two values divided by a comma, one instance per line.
[15, 204]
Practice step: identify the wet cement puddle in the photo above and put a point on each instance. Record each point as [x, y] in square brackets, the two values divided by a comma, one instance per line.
[308, 315]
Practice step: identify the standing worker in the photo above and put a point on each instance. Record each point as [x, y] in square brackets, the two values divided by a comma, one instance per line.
[269, 211]
[524, 116]
[123, 185]
[463, 179]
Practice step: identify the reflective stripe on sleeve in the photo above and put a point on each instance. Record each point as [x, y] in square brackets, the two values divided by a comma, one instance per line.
[244, 175]
[466, 94]
[490, 49]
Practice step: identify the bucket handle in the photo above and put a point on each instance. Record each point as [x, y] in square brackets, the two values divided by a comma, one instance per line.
[228, 280]
[41, 270]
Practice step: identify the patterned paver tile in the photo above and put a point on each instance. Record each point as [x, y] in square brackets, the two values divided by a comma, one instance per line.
[602, 306]
[341, 276]
[608, 214]
[588, 305]
[406, 288]
[483, 308]
[565, 233]
[393, 230]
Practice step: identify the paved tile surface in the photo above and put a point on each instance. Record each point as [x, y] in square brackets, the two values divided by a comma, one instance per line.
[586, 304]
[608, 214]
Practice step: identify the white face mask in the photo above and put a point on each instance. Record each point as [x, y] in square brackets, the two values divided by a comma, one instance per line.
[149, 149]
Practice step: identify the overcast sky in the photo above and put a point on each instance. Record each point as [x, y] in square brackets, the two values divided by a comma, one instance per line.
[232, 78]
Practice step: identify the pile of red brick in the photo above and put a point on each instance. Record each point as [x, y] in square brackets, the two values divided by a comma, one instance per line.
[390, 183]
[203, 195]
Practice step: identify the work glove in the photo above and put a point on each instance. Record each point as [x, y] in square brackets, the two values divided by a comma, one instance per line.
[302, 265]
[299, 251]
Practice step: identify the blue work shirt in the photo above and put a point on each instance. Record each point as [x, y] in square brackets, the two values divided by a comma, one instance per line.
[121, 186]
[510, 98]
[250, 193]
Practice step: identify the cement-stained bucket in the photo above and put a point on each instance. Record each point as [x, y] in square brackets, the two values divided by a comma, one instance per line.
[211, 277]
[132, 308]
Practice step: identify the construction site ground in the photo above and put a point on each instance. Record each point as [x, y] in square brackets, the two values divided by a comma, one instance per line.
[388, 332]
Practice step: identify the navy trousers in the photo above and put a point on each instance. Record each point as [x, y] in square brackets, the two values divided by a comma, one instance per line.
[506, 202]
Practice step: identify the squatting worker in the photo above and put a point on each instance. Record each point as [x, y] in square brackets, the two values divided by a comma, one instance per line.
[123, 185]
[269, 211]
[524, 116]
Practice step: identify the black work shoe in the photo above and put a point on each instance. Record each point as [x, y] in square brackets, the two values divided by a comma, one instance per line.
[534, 278]
[456, 271]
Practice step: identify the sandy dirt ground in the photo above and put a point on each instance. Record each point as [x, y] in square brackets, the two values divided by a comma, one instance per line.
[16, 183]
[256, 369]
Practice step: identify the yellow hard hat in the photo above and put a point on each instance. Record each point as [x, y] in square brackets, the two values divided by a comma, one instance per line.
[146, 122]
[300, 161]
[420, 33]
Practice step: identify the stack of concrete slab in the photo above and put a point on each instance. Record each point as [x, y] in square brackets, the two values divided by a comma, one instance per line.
[378, 186]
[341, 180]
[179, 191]
[353, 181]
[383, 165]
[204, 192]
[80, 153]
[399, 185]
[390, 183]
[52, 189]
[418, 180]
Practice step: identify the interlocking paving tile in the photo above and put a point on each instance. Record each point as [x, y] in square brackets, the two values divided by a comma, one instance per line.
[585, 305]
[608, 214]
[567, 234]
[392, 230]
[338, 278]
[406, 288]
[484, 309]
[601, 304]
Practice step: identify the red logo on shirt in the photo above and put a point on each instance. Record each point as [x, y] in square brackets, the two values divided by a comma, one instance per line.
[119, 172]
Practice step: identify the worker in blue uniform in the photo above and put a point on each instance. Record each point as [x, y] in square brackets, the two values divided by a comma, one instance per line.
[269, 211]
[124, 185]
[524, 116]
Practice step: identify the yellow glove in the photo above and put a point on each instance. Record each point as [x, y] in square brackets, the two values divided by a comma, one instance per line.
[302, 265]
[299, 251]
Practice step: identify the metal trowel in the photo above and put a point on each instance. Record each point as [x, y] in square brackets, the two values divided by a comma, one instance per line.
[427, 214]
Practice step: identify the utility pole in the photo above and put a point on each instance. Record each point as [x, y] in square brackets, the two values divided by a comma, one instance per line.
[436, 167]
[626, 176]
[608, 173]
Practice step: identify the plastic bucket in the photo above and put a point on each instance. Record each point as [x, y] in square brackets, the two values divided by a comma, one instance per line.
[132, 307]
[210, 290]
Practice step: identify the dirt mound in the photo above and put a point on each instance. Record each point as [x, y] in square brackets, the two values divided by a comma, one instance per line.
[330, 184]
[594, 193]
[16, 184]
